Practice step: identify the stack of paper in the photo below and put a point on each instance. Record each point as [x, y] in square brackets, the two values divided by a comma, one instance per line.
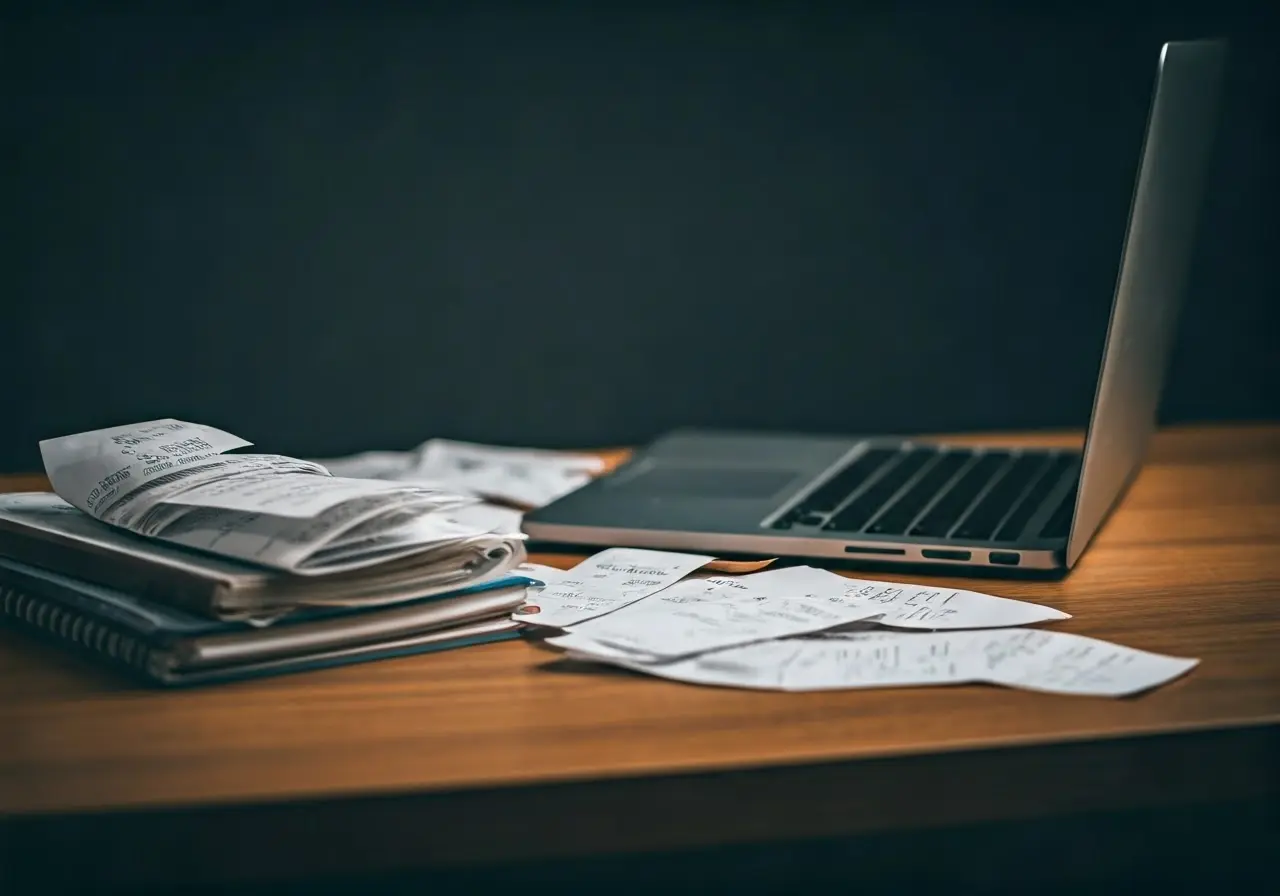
[800, 628]
[173, 482]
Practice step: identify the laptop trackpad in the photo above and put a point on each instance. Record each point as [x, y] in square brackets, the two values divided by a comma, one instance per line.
[706, 482]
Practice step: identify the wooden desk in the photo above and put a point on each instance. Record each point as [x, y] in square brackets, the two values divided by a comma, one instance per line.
[497, 753]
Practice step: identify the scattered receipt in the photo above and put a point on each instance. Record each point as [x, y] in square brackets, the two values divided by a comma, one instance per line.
[1030, 659]
[928, 607]
[712, 613]
[708, 614]
[606, 582]
[525, 477]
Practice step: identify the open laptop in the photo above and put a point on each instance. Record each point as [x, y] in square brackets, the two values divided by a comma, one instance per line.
[895, 500]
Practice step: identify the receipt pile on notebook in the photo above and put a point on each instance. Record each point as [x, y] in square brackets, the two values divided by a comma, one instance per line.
[172, 483]
[799, 628]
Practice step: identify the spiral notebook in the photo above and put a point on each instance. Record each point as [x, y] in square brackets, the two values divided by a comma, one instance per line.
[171, 647]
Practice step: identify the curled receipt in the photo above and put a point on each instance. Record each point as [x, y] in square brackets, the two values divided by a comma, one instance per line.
[174, 480]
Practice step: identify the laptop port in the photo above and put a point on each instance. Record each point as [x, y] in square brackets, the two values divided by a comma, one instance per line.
[1005, 558]
[936, 554]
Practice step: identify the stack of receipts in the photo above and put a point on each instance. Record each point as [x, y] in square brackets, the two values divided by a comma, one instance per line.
[801, 629]
[331, 540]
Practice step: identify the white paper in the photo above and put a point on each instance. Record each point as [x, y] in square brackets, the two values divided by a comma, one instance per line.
[524, 477]
[371, 464]
[93, 470]
[142, 509]
[50, 513]
[300, 495]
[1030, 659]
[709, 614]
[490, 517]
[299, 545]
[607, 581]
[520, 476]
[933, 608]
[167, 480]
[395, 532]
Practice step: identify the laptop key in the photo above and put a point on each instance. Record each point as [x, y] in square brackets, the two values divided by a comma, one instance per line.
[1060, 523]
[951, 506]
[827, 497]
[861, 509]
[983, 519]
[1012, 527]
[896, 519]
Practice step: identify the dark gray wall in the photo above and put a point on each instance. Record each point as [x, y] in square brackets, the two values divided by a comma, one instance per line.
[552, 225]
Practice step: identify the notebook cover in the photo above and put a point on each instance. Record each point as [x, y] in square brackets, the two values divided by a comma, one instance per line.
[107, 638]
[161, 624]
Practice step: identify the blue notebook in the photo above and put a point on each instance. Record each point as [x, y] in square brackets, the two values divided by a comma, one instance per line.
[171, 647]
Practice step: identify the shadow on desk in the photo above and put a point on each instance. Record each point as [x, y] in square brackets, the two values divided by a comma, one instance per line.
[1196, 850]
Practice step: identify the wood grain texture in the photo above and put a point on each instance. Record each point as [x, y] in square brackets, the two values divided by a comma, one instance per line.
[1189, 565]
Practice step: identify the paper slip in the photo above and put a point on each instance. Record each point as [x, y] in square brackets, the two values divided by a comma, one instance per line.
[926, 607]
[286, 494]
[1054, 662]
[92, 470]
[709, 614]
[712, 613]
[135, 508]
[490, 517]
[525, 477]
[606, 581]
[348, 536]
[371, 464]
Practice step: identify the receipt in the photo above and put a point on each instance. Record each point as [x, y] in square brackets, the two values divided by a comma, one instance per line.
[524, 477]
[371, 464]
[520, 476]
[94, 470]
[138, 509]
[709, 614]
[606, 581]
[286, 494]
[929, 607]
[350, 535]
[490, 517]
[1030, 659]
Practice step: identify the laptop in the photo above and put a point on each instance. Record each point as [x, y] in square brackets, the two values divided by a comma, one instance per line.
[893, 500]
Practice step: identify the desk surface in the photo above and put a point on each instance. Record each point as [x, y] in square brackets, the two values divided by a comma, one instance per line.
[499, 751]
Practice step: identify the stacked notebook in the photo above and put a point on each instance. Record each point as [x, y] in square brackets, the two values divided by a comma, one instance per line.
[163, 552]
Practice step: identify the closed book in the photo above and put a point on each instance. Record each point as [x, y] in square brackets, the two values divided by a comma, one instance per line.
[170, 646]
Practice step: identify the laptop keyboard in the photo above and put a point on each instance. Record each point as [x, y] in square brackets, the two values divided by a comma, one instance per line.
[943, 493]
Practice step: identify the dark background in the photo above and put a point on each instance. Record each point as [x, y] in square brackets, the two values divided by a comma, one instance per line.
[557, 224]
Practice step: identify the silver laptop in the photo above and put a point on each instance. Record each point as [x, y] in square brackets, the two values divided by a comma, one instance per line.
[907, 501]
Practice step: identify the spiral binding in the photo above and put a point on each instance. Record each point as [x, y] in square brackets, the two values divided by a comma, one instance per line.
[75, 628]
